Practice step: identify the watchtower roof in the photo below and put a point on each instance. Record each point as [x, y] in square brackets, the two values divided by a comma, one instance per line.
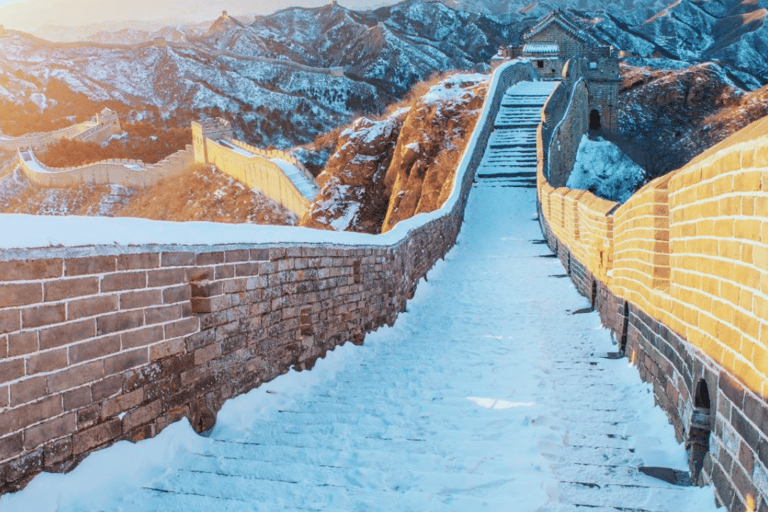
[561, 19]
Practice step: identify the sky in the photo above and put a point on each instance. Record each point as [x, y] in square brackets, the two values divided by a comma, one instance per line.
[32, 14]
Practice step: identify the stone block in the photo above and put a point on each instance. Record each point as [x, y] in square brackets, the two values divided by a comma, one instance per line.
[12, 369]
[123, 281]
[10, 320]
[166, 277]
[175, 294]
[121, 403]
[162, 314]
[90, 265]
[138, 261]
[11, 446]
[20, 294]
[125, 360]
[60, 289]
[43, 315]
[47, 361]
[30, 270]
[74, 376]
[97, 435]
[140, 299]
[21, 343]
[92, 306]
[27, 390]
[142, 415]
[142, 337]
[177, 259]
[94, 349]
[210, 258]
[48, 430]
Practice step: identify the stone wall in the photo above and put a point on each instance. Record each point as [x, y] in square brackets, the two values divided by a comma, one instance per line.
[104, 343]
[88, 131]
[679, 273]
[565, 122]
[128, 173]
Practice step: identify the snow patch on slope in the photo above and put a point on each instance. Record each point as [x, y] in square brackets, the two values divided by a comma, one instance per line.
[603, 169]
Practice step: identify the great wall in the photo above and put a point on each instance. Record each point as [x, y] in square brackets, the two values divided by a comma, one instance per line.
[103, 343]
[274, 173]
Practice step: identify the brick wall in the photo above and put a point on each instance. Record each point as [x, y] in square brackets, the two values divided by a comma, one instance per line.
[104, 343]
[680, 274]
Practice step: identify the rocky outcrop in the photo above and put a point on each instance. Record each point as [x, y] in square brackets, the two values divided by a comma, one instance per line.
[420, 177]
[352, 191]
[387, 170]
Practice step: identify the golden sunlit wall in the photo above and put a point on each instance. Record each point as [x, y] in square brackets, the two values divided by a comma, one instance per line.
[690, 249]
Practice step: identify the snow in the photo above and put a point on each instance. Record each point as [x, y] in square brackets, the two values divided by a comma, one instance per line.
[453, 88]
[604, 169]
[486, 394]
[298, 178]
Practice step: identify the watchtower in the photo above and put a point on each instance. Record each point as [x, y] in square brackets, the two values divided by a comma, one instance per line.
[214, 129]
[554, 40]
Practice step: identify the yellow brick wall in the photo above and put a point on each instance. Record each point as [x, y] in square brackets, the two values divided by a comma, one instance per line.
[690, 249]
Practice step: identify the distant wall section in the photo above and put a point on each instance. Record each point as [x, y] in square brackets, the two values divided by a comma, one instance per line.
[129, 173]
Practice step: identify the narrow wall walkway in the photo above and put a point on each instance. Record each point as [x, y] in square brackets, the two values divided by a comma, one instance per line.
[490, 393]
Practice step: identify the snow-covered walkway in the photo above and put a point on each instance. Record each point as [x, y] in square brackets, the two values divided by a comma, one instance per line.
[489, 393]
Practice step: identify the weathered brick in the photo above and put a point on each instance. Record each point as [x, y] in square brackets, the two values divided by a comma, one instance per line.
[77, 398]
[237, 255]
[167, 348]
[18, 418]
[206, 288]
[174, 294]
[30, 270]
[121, 403]
[91, 306]
[138, 261]
[12, 369]
[125, 360]
[121, 321]
[162, 314]
[58, 451]
[140, 299]
[205, 354]
[247, 269]
[60, 289]
[97, 435]
[4, 397]
[106, 387]
[39, 316]
[88, 416]
[123, 281]
[10, 320]
[210, 258]
[94, 349]
[177, 259]
[66, 334]
[142, 415]
[22, 343]
[11, 446]
[75, 376]
[90, 265]
[27, 390]
[259, 254]
[142, 337]
[182, 327]
[20, 294]
[47, 361]
[224, 272]
[51, 429]
[166, 277]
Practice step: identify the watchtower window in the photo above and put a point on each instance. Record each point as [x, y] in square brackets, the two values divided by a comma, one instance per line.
[594, 120]
[540, 63]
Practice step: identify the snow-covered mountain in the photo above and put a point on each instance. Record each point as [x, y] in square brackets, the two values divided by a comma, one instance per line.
[285, 77]
[281, 79]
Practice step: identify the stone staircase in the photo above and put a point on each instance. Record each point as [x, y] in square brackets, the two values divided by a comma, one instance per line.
[510, 158]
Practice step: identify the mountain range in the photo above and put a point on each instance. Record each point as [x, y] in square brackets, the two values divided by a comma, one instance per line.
[285, 77]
